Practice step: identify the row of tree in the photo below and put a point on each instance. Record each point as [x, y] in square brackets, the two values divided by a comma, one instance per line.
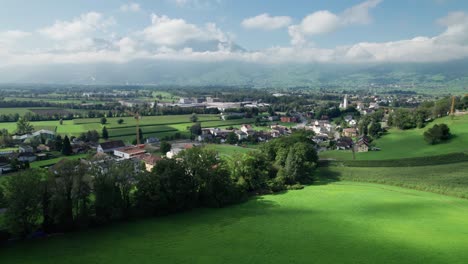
[76, 194]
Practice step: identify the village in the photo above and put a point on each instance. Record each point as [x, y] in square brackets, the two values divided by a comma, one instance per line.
[337, 133]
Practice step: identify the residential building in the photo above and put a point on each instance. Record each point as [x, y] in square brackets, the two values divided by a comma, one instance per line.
[130, 151]
[350, 132]
[149, 160]
[25, 149]
[288, 119]
[26, 156]
[110, 146]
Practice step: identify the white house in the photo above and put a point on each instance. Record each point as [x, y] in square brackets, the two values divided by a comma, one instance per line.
[130, 151]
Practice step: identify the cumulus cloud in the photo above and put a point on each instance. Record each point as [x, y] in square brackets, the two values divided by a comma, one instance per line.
[78, 27]
[324, 21]
[175, 31]
[266, 22]
[130, 7]
[176, 39]
[195, 3]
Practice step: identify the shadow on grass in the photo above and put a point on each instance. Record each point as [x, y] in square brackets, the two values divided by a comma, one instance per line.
[324, 176]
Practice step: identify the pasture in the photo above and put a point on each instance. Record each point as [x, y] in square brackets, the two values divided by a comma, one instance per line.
[342, 222]
[230, 150]
[410, 143]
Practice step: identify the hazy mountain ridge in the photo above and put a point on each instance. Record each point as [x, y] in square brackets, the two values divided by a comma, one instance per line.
[450, 75]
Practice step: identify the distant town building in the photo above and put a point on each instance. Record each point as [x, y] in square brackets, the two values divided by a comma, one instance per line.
[344, 104]
[288, 119]
[350, 132]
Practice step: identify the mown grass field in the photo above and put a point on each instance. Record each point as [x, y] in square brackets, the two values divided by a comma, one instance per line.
[49, 162]
[343, 222]
[230, 150]
[410, 143]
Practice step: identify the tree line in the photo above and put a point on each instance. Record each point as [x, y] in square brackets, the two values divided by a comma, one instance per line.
[76, 194]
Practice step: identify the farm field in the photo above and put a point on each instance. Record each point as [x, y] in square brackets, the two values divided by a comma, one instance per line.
[14, 110]
[358, 223]
[410, 143]
[53, 100]
[156, 126]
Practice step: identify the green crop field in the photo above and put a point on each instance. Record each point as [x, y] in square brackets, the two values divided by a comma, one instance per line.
[410, 143]
[449, 179]
[343, 222]
[156, 126]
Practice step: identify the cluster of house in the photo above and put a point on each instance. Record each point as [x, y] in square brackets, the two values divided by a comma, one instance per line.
[246, 130]
[325, 131]
[117, 150]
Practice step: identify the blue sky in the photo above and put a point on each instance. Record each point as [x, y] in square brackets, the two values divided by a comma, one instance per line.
[356, 30]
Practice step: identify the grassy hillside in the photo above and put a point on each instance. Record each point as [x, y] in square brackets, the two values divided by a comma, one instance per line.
[410, 143]
[337, 223]
[449, 179]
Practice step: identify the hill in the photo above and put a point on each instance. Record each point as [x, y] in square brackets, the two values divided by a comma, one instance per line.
[442, 77]
[358, 223]
[399, 144]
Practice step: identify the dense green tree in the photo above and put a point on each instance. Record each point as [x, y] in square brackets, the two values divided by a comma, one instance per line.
[196, 129]
[231, 138]
[23, 199]
[105, 134]
[375, 128]
[112, 184]
[178, 188]
[437, 134]
[70, 189]
[120, 121]
[212, 179]
[403, 119]
[66, 146]
[3, 203]
[165, 147]
[58, 143]
[23, 126]
[103, 120]
[252, 171]
[193, 118]
[300, 163]
[442, 107]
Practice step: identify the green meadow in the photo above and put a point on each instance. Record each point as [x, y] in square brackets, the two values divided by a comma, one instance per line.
[398, 144]
[343, 222]
[156, 126]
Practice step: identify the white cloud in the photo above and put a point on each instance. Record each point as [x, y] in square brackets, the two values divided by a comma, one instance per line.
[130, 7]
[195, 3]
[173, 39]
[266, 22]
[359, 14]
[9, 38]
[78, 27]
[172, 32]
[324, 21]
